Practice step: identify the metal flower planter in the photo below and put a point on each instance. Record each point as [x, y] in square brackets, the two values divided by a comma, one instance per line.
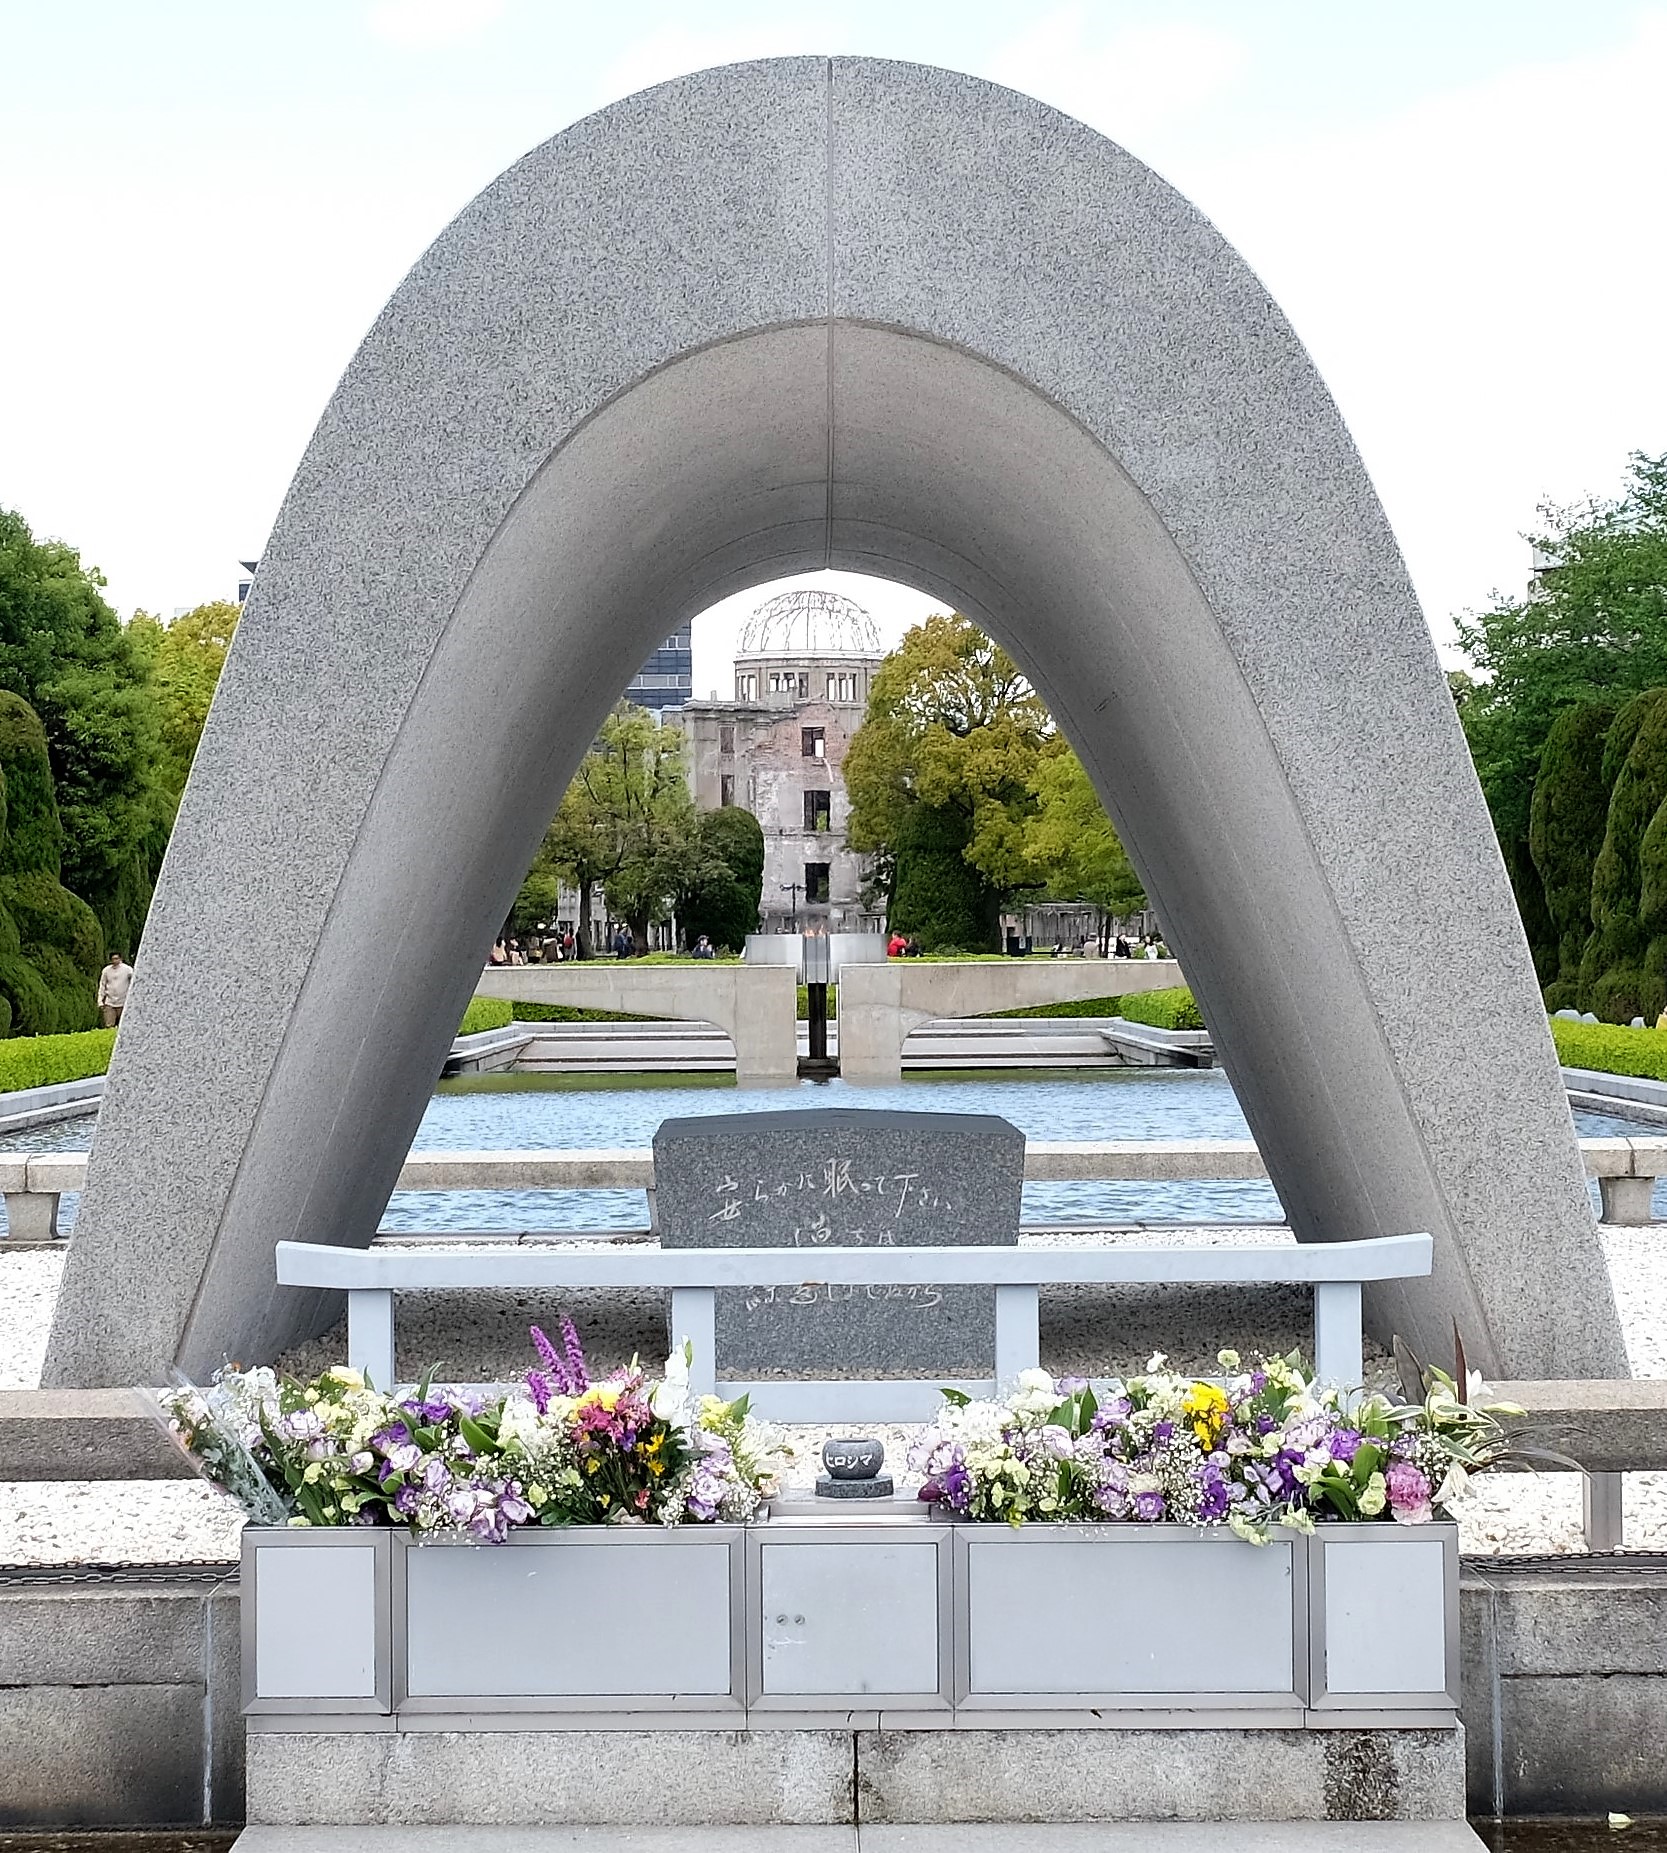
[813, 1618]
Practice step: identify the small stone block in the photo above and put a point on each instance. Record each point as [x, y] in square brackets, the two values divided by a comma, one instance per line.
[877, 1487]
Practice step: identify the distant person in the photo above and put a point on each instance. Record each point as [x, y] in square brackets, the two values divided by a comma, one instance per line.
[1121, 949]
[1058, 949]
[114, 983]
[569, 945]
[914, 950]
[703, 948]
[499, 955]
[516, 955]
[625, 944]
[897, 947]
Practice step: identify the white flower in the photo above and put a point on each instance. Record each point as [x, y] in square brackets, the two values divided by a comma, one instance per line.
[1453, 1486]
[670, 1396]
[1156, 1362]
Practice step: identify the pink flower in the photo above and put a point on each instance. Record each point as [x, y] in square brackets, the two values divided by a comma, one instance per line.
[1409, 1494]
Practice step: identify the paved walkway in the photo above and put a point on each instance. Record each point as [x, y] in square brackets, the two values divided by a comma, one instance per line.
[1134, 1837]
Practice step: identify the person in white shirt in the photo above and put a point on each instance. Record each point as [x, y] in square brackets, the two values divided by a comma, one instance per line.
[114, 983]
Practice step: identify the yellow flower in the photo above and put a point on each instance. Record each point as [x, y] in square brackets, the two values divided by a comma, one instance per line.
[312, 1473]
[537, 1496]
[605, 1394]
[1205, 1407]
[348, 1379]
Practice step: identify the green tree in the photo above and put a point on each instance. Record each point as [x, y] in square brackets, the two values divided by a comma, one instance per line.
[50, 943]
[1592, 629]
[64, 652]
[625, 824]
[1566, 826]
[938, 897]
[1613, 980]
[183, 660]
[723, 897]
[943, 766]
[1074, 846]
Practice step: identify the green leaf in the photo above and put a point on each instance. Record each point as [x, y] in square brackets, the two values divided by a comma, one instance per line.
[477, 1437]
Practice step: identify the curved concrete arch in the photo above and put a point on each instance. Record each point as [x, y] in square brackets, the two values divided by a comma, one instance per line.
[782, 316]
[756, 1006]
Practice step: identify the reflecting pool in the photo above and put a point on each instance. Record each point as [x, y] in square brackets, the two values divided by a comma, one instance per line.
[501, 1112]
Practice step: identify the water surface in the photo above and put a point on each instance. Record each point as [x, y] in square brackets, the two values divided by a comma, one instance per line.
[504, 1112]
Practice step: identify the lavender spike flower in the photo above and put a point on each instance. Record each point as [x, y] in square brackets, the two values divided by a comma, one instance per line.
[554, 1363]
[538, 1387]
[577, 1369]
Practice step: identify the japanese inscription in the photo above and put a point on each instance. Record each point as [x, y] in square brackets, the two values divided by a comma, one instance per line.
[844, 1178]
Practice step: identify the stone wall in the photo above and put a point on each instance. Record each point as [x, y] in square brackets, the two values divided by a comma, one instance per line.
[119, 1700]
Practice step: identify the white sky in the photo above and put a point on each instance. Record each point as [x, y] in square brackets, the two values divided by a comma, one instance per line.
[207, 201]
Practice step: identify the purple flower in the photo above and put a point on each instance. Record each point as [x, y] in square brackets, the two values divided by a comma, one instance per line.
[1258, 1381]
[1213, 1499]
[1163, 1431]
[538, 1388]
[405, 1501]
[1345, 1444]
[1148, 1507]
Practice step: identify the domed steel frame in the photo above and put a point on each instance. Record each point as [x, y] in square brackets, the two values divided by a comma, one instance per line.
[808, 621]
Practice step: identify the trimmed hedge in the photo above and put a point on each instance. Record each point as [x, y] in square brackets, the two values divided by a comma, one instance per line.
[1073, 1007]
[1608, 1048]
[42, 1061]
[1170, 1009]
[571, 1013]
[486, 1013]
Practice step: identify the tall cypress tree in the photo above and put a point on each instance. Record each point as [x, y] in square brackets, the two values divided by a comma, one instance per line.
[1613, 981]
[1566, 828]
[64, 652]
[50, 943]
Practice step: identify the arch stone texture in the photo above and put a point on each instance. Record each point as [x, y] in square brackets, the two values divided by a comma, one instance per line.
[770, 318]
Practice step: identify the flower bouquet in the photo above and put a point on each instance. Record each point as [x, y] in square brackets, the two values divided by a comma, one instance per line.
[552, 1449]
[1258, 1448]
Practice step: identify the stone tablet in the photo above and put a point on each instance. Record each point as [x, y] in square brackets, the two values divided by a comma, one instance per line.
[844, 1177]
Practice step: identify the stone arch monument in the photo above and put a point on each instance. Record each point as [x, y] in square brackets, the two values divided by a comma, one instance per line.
[777, 317]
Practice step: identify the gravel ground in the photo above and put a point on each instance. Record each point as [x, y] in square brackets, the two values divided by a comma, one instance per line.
[1085, 1331]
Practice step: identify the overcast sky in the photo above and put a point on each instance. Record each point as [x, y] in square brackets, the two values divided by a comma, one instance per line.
[1457, 202]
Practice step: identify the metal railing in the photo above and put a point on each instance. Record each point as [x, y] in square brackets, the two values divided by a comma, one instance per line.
[1336, 1270]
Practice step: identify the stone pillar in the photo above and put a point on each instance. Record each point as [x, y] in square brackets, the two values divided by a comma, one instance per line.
[764, 1024]
[32, 1215]
[1626, 1200]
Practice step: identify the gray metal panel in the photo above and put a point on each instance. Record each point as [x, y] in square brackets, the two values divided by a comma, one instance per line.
[849, 1617]
[316, 1620]
[1385, 1618]
[1075, 1616]
[581, 1615]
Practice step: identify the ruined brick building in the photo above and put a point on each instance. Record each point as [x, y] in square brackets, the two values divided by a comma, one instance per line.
[802, 672]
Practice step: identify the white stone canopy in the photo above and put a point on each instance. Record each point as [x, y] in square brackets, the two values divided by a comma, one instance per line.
[781, 317]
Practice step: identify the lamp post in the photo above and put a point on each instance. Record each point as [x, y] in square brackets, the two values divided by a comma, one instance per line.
[792, 888]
